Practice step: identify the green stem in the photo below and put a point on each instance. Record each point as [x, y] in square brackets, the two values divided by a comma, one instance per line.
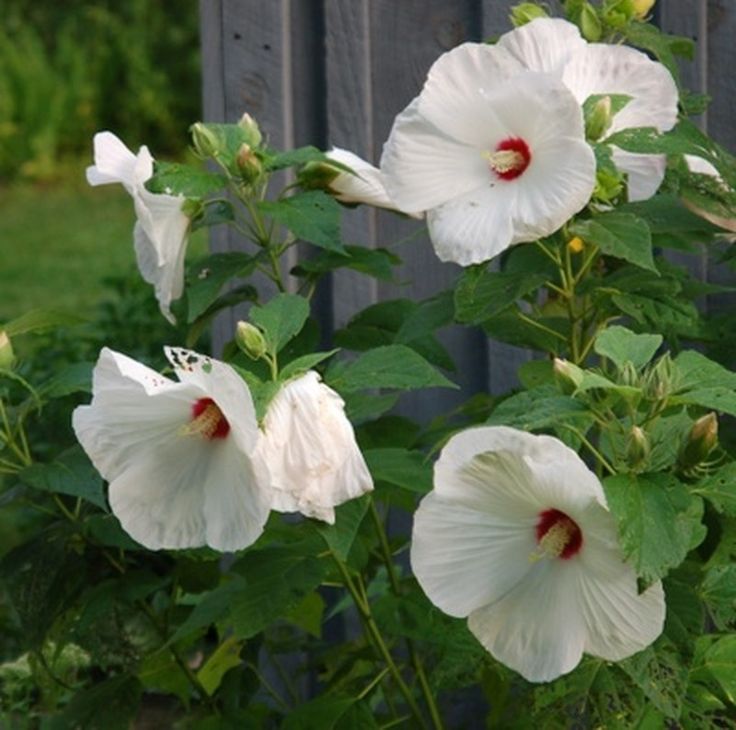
[602, 459]
[414, 657]
[377, 639]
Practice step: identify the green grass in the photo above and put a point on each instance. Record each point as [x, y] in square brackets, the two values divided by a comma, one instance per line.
[58, 243]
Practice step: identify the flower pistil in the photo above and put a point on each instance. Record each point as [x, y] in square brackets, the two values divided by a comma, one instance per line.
[207, 421]
[558, 536]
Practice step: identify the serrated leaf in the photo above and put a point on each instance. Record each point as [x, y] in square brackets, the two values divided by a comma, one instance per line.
[71, 473]
[719, 661]
[312, 216]
[621, 345]
[392, 366]
[718, 591]
[659, 521]
[621, 235]
[400, 467]
[223, 659]
[361, 407]
[174, 178]
[375, 262]
[427, 317]
[720, 489]
[695, 370]
[299, 156]
[304, 363]
[280, 319]
[718, 399]
[40, 320]
[536, 408]
[481, 294]
[348, 517]
[209, 275]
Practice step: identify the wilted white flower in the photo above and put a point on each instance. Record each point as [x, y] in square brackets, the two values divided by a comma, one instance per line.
[516, 535]
[309, 446]
[179, 456]
[494, 153]
[160, 233]
[555, 46]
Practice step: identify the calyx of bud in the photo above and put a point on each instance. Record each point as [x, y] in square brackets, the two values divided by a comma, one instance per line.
[701, 441]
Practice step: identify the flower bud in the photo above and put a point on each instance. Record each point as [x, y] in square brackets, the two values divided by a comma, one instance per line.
[252, 130]
[637, 447]
[524, 13]
[598, 119]
[250, 340]
[6, 351]
[205, 140]
[661, 380]
[701, 440]
[619, 13]
[567, 375]
[642, 8]
[249, 164]
[575, 245]
[590, 24]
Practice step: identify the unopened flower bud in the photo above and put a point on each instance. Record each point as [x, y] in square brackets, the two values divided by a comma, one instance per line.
[701, 440]
[249, 164]
[6, 351]
[250, 340]
[524, 13]
[642, 8]
[619, 13]
[661, 380]
[598, 119]
[251, 128]
[567, 375]
[637, 447]
[590, 24]
[575, 245]
[205, 140]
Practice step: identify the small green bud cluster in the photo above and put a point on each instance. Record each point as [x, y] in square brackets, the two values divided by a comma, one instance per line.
[250, 340]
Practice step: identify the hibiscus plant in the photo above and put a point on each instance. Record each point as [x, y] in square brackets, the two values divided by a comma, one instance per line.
[273, 545]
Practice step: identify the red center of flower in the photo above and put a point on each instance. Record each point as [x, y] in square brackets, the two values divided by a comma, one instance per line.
[207, 420]
[511, 158]
[558, 535]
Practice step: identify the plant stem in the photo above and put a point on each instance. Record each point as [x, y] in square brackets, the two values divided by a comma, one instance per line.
[414, 657]
[377, 639]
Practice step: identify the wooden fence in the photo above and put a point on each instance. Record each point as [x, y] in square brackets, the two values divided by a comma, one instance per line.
[336, 72]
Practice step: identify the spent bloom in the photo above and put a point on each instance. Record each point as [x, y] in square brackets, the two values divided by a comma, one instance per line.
[179, 456]
[495, 154]
[555, 46]
[309, 445]
[516, 535]
[162, 227]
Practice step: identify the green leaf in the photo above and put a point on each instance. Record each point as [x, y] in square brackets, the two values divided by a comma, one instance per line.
[348, 517]
[375, 262]
[173, 178]
[71, 473]
[302, 364]
[719, 661]
[160, 672]
[668, 314]
[662, 45]
[537, 408]
[214, 213]
[400, 467]
[659, 521]
[322, 712]
[392, 366]
[621, 235]
[308, 614]
[481, 294]
[695, 370]
[427, 317]
[209, 275]
[621, 345]
[312, 216]
[280, 319]
[108, 705]
[224, 658]
[718, 591]
[718, 399]
[299, 156]
[720, 489]
[40, 320]
[361, 407]
[74, 378]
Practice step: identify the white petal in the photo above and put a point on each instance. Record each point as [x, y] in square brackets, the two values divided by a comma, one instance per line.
[536, 628]
[608, 69]
[645, 172]
[701, 166]
[619, 621]
[457, 84]
[114, 162]
[310, 448]
[464, 554]
[365, 186]
[474, 227]
[545, 44]
[423, 168]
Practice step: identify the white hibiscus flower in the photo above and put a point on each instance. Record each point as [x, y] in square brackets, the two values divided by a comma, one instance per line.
[517, 537]
[179, 456]
[554, 46]
[494, 153]
[161, 231]
[309, 445]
